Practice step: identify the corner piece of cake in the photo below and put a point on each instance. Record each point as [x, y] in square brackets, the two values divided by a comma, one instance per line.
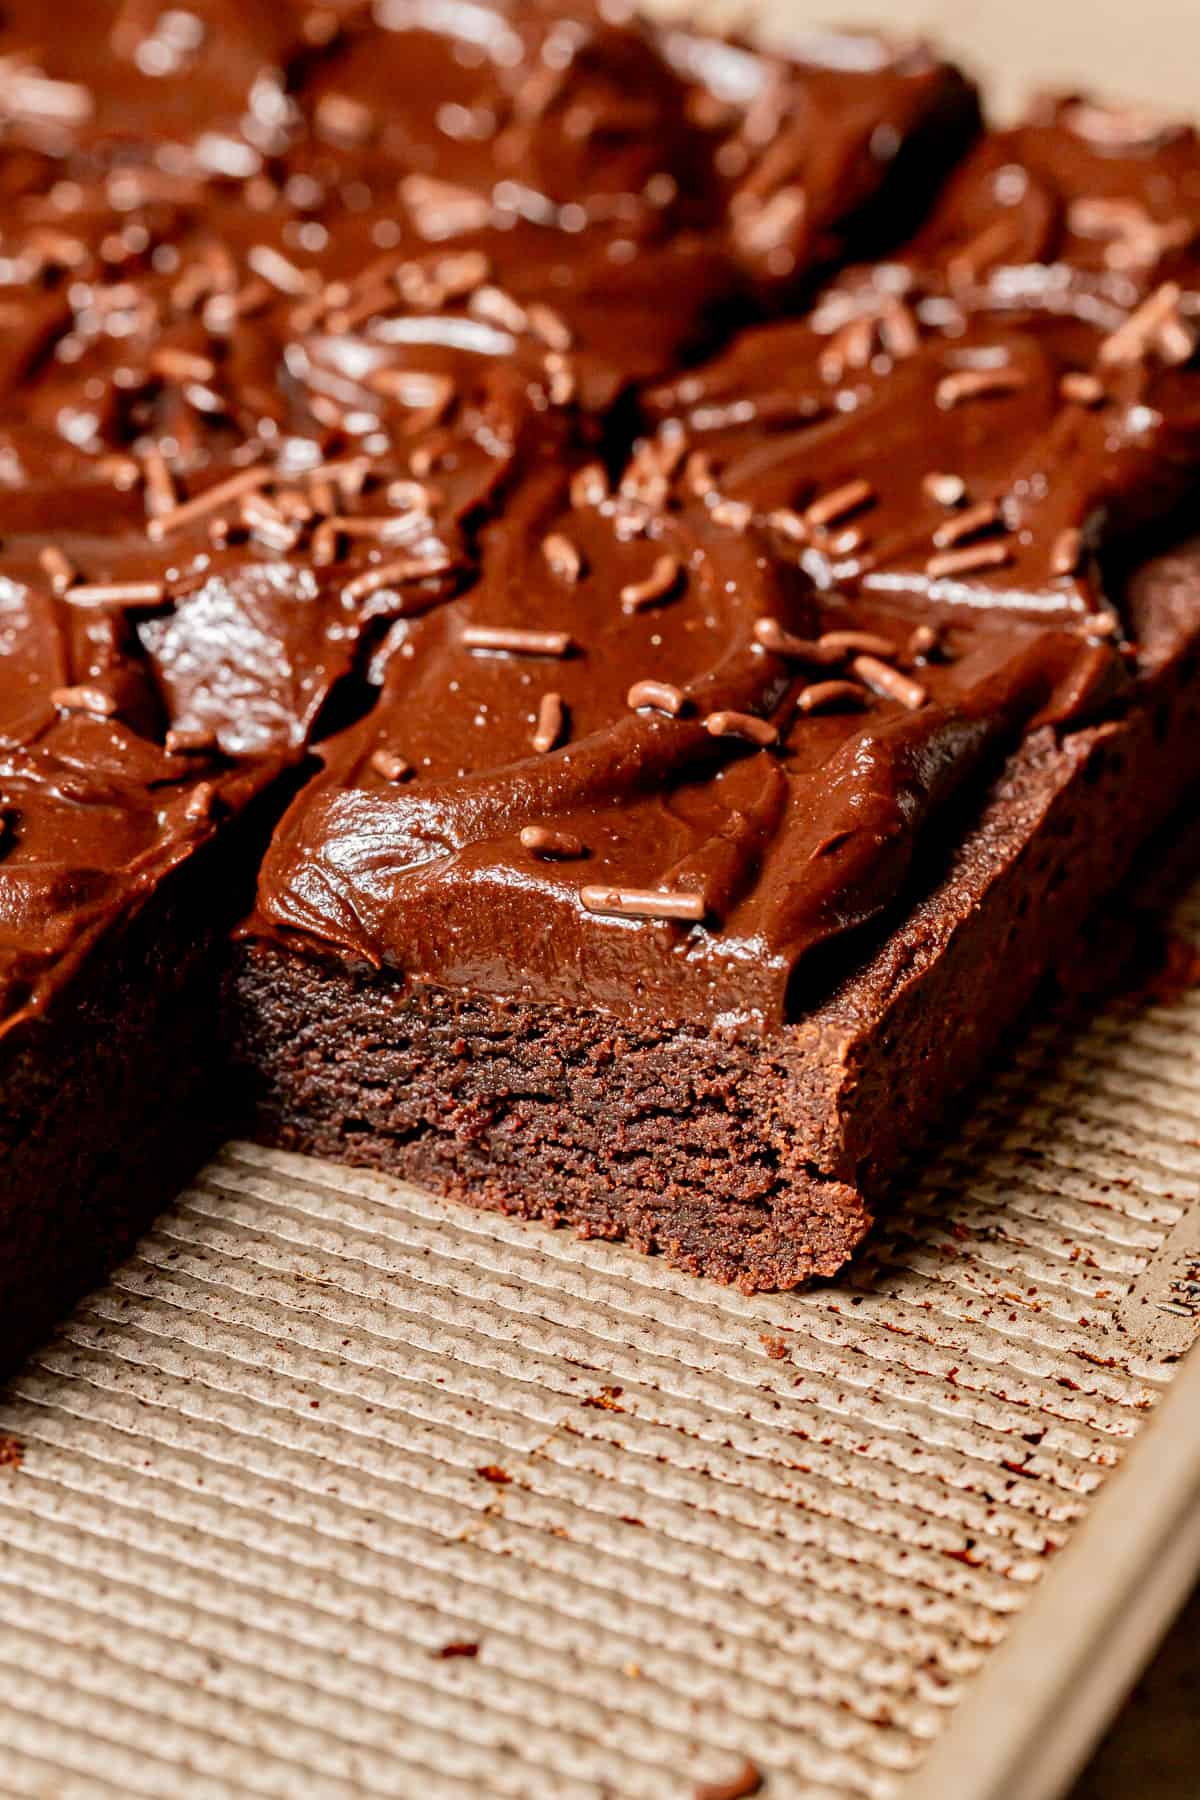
[708, 842]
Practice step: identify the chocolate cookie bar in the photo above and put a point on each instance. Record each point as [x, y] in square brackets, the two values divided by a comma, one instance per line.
[294, 300]
[696, 854]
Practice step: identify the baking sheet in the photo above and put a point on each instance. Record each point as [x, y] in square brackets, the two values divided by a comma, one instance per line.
[337, 1490]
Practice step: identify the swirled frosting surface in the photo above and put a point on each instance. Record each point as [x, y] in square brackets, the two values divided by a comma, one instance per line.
[695, 720]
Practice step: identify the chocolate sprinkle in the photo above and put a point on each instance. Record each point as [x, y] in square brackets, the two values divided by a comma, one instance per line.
[789, 524]
[967, 524]
[182, 365]
[410, 496]
[589, 486]
[838, 504]
[542, 840]
[562, 379]
[829, 696]
[945, 490]
[736, 515]
[982, 252]
[662, 696]
[516, 641]
[742, 725]
[1155, 325]
[771, 635]
[899, 331]
[849, 348]
[883, 679]
[1132, 238]
[325, 545]
[1114, 128]
[551, 720]
[1067, 551]
[390, 574]
[267, 524]
[117, 593]
[211, 500]
[1081, 389]
[272, 266]
[385, 526]
[201, 802]
[123, 471]
[160, 487]
[190, 743]
[561, 555]
[643, 903]
[968, 559]
[656, 586]
[698, 475]
[59, 568]
[976, 384]
[84, 699]
[848, 543]
[550, 326]
[498, 308]
[390, 765]
[832, 645]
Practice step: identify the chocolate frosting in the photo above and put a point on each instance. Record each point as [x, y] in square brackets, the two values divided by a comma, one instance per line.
[688, 729]
[315, 402]
[293, 299]
[94, 808]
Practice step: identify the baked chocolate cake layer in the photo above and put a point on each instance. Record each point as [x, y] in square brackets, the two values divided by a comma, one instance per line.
[114, 1091]
[129, 842]
[750, 1159]
[294, 300]
[752, 769]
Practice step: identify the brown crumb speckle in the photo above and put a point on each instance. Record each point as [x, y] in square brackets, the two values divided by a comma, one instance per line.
[775, 1347]
[492, 1472]
[607, 1400]
[748, 1780]
[12, 1452]
[458, 1648]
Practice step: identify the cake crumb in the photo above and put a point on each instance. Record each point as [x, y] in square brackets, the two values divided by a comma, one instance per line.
[747, 1781]
[607, 1400]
